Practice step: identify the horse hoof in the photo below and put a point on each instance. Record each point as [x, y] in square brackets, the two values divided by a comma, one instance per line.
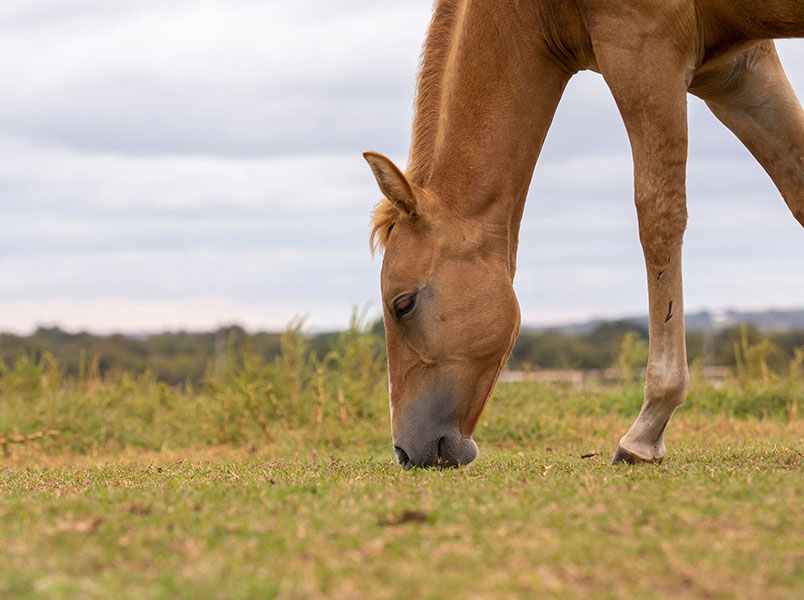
[624, 456]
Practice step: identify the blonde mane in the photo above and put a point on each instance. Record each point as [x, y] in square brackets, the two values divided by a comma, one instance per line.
[383, 218]
[425, 121]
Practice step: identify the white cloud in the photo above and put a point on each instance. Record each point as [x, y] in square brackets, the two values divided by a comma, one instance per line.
[238, 78]
[191, 163]
[288, 231]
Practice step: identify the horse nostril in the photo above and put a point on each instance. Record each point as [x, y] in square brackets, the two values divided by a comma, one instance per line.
[445, 462]
[402, 457]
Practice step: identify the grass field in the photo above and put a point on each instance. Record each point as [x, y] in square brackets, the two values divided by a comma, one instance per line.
[236, 491]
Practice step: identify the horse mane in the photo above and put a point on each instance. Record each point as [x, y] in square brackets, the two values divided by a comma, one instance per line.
[435, 55]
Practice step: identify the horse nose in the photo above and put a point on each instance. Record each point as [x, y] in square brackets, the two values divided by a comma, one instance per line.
[446, 451]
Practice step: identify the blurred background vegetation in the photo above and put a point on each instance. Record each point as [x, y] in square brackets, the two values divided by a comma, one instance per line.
[181, 357]
[292, 390]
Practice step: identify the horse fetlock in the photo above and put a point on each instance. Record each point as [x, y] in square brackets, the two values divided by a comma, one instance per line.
[668, 391]
[634, 452]
[644, 442]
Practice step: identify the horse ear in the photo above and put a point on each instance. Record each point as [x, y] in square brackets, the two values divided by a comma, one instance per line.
[393, 183]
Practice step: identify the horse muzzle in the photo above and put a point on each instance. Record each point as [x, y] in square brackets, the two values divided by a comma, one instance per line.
[451, 450]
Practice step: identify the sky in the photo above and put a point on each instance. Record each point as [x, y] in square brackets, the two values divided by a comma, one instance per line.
[182, 164]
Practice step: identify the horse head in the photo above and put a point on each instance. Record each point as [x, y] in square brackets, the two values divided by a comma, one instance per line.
[450, 314]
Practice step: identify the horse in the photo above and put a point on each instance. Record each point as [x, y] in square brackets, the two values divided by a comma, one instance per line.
[492, 74]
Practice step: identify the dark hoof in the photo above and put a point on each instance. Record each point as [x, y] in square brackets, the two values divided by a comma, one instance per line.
[623, 456]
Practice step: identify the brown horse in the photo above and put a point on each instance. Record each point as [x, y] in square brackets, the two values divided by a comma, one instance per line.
[492, 75]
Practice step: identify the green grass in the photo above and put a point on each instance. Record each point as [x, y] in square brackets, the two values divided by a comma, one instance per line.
[278, 481]
[720, 522]
[332, 516]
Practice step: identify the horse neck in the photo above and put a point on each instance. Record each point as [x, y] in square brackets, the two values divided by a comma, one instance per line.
[487, 95]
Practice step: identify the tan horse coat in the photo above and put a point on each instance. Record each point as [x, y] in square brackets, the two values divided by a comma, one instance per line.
[492, 75]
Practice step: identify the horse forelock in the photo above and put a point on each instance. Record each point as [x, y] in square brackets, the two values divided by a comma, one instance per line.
[383, 218]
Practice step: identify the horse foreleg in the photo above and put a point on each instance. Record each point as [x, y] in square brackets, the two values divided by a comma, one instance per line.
[752, 96]
[649, 86]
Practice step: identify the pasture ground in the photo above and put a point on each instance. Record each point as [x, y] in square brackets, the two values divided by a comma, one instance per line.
[305, 514]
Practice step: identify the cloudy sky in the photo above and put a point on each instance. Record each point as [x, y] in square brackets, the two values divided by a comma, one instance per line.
[172, 163]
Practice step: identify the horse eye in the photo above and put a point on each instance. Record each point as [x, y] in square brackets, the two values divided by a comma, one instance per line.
[404, 304]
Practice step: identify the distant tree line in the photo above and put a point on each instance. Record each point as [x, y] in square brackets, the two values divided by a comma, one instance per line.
[182, 357]
[600, 347]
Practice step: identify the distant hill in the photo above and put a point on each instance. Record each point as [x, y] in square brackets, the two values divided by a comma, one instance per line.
[769, 321]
